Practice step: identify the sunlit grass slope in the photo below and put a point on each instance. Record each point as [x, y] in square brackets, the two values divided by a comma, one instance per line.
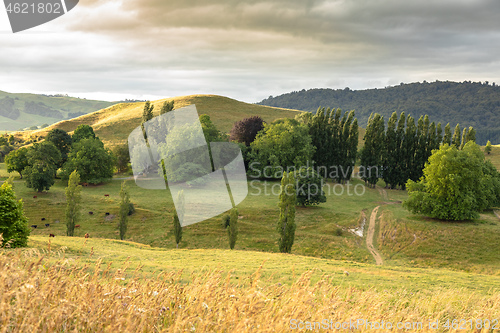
[115, 123]
[47, 291]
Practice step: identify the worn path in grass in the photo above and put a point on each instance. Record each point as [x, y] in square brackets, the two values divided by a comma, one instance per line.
[496, 213]
[369, 237]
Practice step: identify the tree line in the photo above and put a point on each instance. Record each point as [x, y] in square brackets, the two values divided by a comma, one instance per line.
[474, 104]
[399, 151]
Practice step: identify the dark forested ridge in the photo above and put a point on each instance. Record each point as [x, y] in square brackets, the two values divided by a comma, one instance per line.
[468, 103]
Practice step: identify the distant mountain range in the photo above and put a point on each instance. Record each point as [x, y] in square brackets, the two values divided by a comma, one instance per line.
[20, 111]
[468, 103]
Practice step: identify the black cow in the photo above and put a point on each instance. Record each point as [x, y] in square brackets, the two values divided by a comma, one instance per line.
[34, 226]
[47, 225]
[43, 218]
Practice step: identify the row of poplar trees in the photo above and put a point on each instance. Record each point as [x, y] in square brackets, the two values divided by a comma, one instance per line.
[399, 152]
[336, 142]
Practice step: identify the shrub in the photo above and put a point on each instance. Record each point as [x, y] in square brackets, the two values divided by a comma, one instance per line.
[13, 224]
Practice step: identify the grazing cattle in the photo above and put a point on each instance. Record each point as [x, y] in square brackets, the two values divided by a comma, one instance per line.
[77, 226]
[52, 235]
[34, 226]
[34, 197]
[43, 218]
[106, 195]
[91, 213]
[107, 213]
[87, 235]
[85, 184]
[47, 225]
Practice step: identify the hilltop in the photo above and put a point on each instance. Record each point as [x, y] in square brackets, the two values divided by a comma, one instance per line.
[113, 124]
[19, 111]
[468, 103]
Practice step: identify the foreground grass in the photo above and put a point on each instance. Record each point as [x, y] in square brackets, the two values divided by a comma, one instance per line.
[51, 291]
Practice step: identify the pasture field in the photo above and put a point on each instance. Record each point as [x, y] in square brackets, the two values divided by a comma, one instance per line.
[323, 231]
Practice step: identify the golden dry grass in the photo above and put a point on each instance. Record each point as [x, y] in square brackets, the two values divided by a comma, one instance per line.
[42, 291]
[115, 123]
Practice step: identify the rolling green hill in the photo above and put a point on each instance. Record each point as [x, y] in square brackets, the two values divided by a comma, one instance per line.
[26, 110]
[468, 103]
[114, 124]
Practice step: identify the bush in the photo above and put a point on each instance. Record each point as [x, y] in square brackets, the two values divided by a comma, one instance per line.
[457, 185]
[13, 224]
[246, 130]
[225, 220]
[309, 187]
[131, 209]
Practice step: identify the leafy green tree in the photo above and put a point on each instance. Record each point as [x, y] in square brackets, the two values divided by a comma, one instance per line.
[309, 187]
[43, 159]
[286, 223]
[212, 134]
[391, 153]
[285, 143]
[147, 113]
[447, 134]
[177, 224]
[402, 164]
[93, 162]
[488, 148]
[62, 140]
[410, 147]
[124, 210]
[246, 130]
[371, 155]
[166, 107]
[457, 185]
[122, 156]
[14, 228]
[17, 160]
[73, 199]
[456, 136]
[465, 134]
[83, 132]
[232, 230]
[471, 135]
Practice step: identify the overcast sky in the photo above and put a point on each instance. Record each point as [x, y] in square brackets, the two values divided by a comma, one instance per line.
[248, 50]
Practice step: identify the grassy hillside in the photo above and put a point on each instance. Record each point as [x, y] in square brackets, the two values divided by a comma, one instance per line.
[323, 231]
[115, 123]
[45, 110]
[468, 103]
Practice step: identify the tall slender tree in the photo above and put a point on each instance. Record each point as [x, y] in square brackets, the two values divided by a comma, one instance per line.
[390, 154]
[286, 223]
[447, 134]
[465, 134]
[232, 230]
[124, 210]
[73, 198]
[456, 137]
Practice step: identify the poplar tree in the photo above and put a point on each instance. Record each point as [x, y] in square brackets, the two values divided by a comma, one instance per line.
[487, 149]
[232, 230]
[456, 137]
[124, 210]
[177, 224]
[447, 134]
[391, 152]
[147, 113]
[401, 165]
[464, 137]
[73, 198]
[286, 223]
[166, 107]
